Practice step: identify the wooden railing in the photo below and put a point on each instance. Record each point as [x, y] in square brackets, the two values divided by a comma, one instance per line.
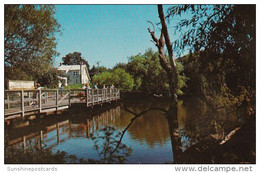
[23, 101]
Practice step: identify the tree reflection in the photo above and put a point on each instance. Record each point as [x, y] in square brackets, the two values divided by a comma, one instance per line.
[205, 146]
[108, 147]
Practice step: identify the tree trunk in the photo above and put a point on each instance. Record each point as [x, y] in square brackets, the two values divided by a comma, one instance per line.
[170, 68]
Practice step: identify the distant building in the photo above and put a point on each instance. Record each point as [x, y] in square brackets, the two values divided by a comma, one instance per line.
[20, 85]
[74, 74]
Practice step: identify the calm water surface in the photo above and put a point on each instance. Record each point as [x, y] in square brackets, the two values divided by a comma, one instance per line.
[149, 138]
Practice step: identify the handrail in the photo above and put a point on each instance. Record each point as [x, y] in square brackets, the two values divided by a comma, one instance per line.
[91, 98]
[76, 89]
[63, 98]
[44, 90]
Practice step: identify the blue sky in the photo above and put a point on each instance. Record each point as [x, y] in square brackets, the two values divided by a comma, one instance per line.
[105, 33]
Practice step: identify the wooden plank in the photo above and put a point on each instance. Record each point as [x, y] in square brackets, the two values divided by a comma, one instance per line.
[54, 109]
[13, 113]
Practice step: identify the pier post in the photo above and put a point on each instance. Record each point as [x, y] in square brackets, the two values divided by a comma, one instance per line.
[102, 91]
[69, 99]
[40, 101]
[22, 102]
[56, 96]
[87, 94]
[24, 144]
[8, 104]
[70, 130]
[29, 96]
[93, 90]
[58, 132]
[46, 96]
[41, 138]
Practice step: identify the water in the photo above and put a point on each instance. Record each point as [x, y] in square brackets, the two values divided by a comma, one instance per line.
[151, 137]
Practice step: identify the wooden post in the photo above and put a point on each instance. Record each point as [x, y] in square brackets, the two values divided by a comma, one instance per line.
[57, 94]
[87, 129]
[87, 96]
[69, 99]
[102, 94]
[22, 102]
[70, 133]
[40, 100]
[113, 93]
[46, 96]
[8, 104]
[41, 138]
[29, 97]
[24, 144]
[58, 133]
[93, 97]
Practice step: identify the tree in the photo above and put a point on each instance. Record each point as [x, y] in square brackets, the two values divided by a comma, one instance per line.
[169, 66]
[29, 40]
[137, 68]
[118, 77]
[74, 58]
[120, 65]
[97, 70]
[149, 76]
[221, 40]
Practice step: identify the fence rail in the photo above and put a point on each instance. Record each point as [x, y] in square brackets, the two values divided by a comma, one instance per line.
[26, 101]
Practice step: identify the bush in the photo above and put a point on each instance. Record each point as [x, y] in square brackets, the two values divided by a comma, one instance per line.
[74, 86]
[118, 77]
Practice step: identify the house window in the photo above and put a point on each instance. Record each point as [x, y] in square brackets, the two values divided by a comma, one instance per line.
[75, 73]
[76, 81]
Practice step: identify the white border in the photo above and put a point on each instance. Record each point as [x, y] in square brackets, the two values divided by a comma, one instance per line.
[118, 168]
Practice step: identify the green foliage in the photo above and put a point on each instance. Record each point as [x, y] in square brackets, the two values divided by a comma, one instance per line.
[97, 70]
[120, 65]
[221, 40]
[74, 86]
[30, 42]
[122, 79]
[149, 75]
[118, 77]
[34, 154]
[103, 78]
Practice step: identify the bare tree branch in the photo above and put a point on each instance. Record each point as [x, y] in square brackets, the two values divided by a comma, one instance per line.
[136, 115]
[170, 68]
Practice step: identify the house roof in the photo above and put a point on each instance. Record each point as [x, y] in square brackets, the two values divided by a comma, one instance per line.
[70, 67]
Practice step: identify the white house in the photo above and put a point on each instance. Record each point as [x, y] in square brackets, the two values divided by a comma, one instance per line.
[74, 74]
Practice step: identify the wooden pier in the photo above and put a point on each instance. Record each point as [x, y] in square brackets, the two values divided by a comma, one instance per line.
[27, 102]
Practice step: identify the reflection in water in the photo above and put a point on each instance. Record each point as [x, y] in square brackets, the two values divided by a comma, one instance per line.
[155, 131]
[109, 147]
